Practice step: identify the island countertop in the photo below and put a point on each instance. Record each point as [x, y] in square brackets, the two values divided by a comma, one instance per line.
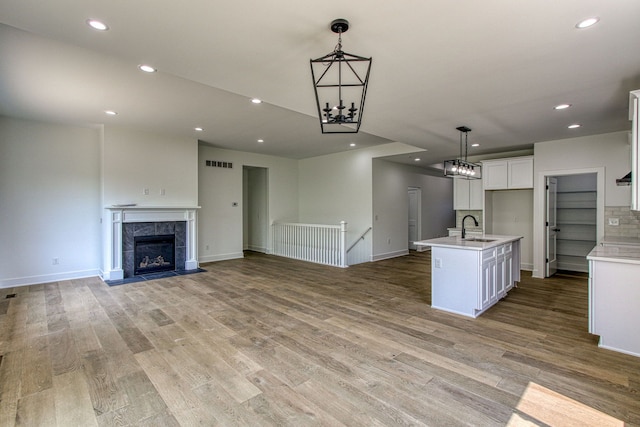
[477, 243]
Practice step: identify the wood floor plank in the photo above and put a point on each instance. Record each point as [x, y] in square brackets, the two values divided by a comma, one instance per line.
[10, 386]
[36, 369]
[72, 402]
[101, 378]
[37, 409]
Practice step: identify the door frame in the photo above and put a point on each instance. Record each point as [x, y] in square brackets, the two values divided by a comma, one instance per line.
[247, 210]
[539, 231]
[551, 230]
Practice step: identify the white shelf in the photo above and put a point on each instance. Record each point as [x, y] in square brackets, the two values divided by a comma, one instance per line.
[576, 219]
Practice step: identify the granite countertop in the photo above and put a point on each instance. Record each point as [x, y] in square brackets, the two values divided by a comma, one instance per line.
[469, 243]
[626, 254]
[620, 240]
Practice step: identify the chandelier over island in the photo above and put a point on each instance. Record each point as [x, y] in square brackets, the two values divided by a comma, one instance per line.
[340, 81]
[460, 167]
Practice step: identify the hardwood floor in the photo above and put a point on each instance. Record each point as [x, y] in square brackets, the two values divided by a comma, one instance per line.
[270, 341]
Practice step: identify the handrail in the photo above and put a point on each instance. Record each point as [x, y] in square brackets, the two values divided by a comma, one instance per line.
[359, 238]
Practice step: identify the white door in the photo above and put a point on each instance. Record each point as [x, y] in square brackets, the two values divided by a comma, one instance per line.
[551, 226]
[414, 216]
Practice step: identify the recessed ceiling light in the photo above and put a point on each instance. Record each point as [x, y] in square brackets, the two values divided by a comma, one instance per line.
[256, 101]
[198, 129]
[475, 145]
[574, 126]
[417, 159]
[261, 141]
[561, 106]
[586, 23]
[97, 25]
[110, 112]
[146, 68]
[353, 144]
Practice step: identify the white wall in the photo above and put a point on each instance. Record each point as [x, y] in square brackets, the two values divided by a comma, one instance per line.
[606, 154]
[220, 224]
[339, 187]
[49, 202]
[133, 161]
[390, 206]
[512, 215]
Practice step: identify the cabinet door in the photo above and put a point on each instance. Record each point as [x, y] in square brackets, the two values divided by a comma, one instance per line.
[500, 276]
[476, 194]
[520, 173]
[488, 285]
[494, 175]
[461, 194]
[507, 275]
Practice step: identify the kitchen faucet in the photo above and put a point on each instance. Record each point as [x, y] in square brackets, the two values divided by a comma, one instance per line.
[464, 233]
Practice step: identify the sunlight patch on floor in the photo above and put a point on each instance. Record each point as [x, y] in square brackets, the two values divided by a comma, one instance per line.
[554, 409]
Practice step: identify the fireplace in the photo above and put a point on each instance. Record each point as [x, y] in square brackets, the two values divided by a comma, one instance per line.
[125, 223]
[149, 247]
[152, 254]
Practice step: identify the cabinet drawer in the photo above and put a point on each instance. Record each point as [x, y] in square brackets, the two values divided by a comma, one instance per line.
[488, 254]
[508, 247]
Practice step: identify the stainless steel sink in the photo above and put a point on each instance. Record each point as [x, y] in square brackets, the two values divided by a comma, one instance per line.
[478, 239]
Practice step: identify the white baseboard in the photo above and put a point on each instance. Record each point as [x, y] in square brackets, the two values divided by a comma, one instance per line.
[388, 255]
[221, 257]
[526, 267]
[47, 278]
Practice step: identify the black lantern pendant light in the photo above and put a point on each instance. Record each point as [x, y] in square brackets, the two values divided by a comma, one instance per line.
[460, 167]
[340, 82]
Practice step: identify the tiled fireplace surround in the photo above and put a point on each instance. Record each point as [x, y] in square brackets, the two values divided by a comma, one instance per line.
[126, 222]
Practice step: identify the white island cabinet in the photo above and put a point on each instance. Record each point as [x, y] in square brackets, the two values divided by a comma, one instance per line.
[470, 275]
[614, 295]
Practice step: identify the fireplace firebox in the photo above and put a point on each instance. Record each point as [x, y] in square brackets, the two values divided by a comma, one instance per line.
[154, 253]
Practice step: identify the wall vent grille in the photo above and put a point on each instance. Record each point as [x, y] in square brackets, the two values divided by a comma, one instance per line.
[217, 164]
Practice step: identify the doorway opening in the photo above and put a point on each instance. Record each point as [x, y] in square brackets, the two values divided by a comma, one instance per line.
[573, 212]
[415, 216]
[255, 213]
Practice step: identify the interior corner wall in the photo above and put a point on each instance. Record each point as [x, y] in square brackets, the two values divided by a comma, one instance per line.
[391, 182]
[49, 202]
[133, 161]
[220, 223]
[610, 152]
[339, 187]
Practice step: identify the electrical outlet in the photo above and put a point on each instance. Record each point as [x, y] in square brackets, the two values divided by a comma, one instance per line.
[162, 192]
[438, 263]
[145, 191]
[55, 261]
[614, 221]
[206, 248]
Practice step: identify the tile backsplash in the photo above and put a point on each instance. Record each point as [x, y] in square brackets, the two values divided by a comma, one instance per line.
[629, 222]
[461, 214]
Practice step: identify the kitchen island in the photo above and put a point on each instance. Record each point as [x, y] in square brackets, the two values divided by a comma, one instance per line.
[470, 275]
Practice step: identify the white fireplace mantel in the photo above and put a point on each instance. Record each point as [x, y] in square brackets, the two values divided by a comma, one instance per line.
[118, 215]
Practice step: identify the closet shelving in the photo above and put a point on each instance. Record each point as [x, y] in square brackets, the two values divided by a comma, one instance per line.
[576, 219]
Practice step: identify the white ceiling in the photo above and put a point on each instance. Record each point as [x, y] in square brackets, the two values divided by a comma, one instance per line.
[497, 66]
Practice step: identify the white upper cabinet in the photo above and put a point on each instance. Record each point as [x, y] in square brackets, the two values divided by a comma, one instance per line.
[634, 116]
[467, 194]
[505, 174]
